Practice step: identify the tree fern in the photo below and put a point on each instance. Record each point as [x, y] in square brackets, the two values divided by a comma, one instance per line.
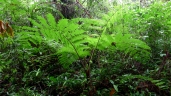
[76, 39]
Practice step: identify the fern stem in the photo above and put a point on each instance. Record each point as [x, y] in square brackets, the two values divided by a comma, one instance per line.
[99, 39]
[72, 46]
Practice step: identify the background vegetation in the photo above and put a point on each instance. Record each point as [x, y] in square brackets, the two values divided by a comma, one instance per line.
[85, 48]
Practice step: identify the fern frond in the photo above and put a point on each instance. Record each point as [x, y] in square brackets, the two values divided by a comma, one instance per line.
[71, 38]
[134, 47]
[36, 24]
[115, 36]
[51, 20]
[43, 22]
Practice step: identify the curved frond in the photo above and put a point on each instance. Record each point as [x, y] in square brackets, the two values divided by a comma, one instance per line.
[71, 38]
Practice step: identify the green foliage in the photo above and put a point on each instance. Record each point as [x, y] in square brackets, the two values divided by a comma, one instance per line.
[115, 36]
[12, 11]
[66, 82]
[76, 41]
[107, 54]
[151, 24]
[71, 39]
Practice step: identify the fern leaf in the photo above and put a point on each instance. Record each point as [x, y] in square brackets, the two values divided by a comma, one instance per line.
[42, 22]
[51, 20]
[38, 25]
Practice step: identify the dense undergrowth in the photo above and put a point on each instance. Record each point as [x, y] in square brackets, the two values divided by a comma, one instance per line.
[124, 51]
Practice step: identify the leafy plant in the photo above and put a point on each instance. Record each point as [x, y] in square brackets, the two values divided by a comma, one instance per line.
[123, 50]
[69, 37]
[74, 44]
[152, 25]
